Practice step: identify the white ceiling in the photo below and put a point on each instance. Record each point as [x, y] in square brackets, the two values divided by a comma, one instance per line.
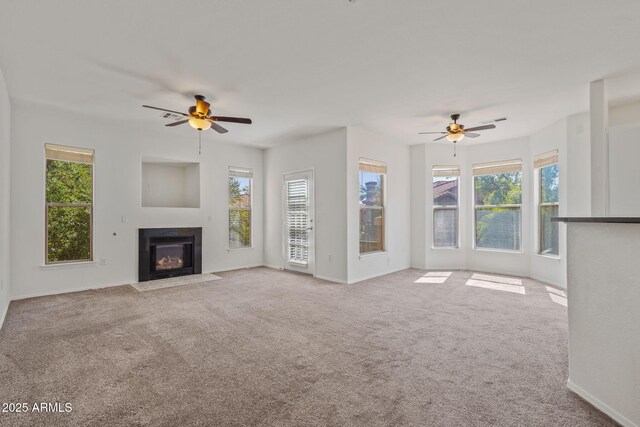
[298, 67]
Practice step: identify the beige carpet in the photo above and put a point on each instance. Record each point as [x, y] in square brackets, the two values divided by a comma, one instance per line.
[154, 285]
[264, 347]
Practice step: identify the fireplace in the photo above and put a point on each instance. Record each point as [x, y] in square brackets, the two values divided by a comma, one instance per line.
[169, 252]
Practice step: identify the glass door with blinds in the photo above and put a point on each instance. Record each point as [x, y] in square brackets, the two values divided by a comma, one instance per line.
[298, 222]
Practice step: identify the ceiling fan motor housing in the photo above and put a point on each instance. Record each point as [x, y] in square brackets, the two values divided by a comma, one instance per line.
[455, 128]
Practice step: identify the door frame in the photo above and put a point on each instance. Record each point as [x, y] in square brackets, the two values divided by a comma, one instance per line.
[312, 211]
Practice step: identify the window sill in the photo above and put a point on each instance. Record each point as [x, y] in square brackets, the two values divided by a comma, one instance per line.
[506, 251]
[65, 265]
[446, 248]
[554, 257]
[239, 249]
[372, 254]
[299, 264]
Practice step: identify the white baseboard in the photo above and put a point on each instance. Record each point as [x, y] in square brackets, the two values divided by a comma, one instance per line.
[549, 282]
[600, 405]
[275, 267]
[241, 267]
[331, 279]
[69, 290]
[3, 313]
[373, 276]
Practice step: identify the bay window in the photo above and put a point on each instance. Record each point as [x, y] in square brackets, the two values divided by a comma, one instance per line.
[546, 166]
[498, 204]
[445, 206]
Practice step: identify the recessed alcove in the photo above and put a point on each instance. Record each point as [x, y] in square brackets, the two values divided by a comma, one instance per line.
[170, 184]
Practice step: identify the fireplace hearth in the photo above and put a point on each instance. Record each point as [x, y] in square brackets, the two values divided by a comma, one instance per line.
[169, 252]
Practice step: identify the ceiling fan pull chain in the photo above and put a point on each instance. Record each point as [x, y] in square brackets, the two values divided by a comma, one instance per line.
[199, 142]
[454, 149]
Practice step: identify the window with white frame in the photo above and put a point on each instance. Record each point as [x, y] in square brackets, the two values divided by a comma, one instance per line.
[446, 181]
[240, 186]
[69, 204]
[546, 166]
[498, 204]
[373, 175]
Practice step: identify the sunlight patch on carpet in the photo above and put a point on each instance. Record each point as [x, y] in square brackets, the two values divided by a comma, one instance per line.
[434, 277]
[505, 287]
[497, 279]
[153, 285]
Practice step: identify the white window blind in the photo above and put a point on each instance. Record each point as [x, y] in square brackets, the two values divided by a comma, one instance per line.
[297, 219]
[68, 154]
[240, 172]
[373, 166]
[446, 171]
[545, 159]
[505, 166]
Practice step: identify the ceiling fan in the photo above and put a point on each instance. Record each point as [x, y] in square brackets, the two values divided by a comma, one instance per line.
[200, 117]
[456, 131]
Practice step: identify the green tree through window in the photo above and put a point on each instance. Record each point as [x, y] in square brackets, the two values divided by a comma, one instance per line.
[498, 198]
[549, 208]
[69, 197]
[239, 212]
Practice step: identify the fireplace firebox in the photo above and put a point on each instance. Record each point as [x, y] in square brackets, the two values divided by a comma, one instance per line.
[169, 252]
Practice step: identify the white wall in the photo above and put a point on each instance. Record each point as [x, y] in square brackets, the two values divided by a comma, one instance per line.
[578, 166]
[604, 317]
[397, 253]
[325, 154]
[171, 185]
[119, 148]
[624, 152]
[5, 190]
[419, 224]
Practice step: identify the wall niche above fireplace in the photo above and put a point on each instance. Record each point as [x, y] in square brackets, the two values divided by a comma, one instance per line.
[169, 252]
[170, 184]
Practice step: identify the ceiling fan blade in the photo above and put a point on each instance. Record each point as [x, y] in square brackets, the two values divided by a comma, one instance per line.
[426, 133]
[484, 127]
[231, 119]
[181, 122]
[438, 139]
[218, 128]
[471, 134]
[501, 119]
[168, 111]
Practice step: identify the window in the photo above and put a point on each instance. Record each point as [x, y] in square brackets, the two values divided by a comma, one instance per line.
[69, 204]
[240, 182]
[372, 188]
[498, 200]
[445, 206]
[298, 219]
[548, 202]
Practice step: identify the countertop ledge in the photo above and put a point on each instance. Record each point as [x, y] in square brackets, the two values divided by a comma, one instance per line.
[602, 219]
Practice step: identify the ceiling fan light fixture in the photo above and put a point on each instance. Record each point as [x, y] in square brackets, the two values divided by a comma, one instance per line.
[455, 137]
[199, 124]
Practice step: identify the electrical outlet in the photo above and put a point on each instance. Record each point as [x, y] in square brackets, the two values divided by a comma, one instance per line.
[103, 261]
[330, 258]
